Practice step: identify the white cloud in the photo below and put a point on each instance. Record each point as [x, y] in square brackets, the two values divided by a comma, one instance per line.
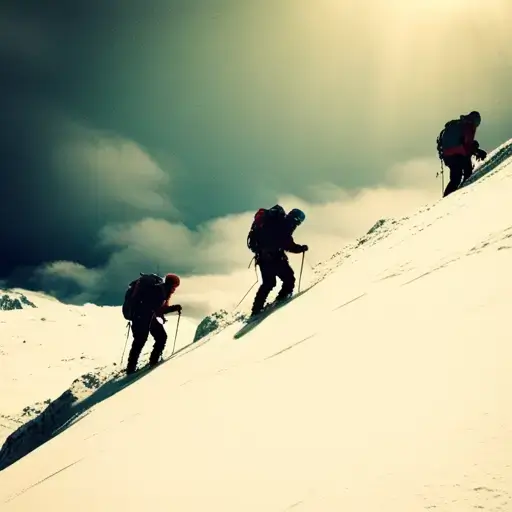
[75, 271]
[117, 168]
[214, 258]
[418, 174]
[74, 280]
[217, 245]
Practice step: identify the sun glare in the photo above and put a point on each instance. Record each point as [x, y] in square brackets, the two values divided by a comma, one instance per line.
[441, 7]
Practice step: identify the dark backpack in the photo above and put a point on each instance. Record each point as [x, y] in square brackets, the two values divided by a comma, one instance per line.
[450, 136]
[140, 292]
[267, 229]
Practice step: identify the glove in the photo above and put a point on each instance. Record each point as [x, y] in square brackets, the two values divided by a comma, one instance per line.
[304, 248]
[480, 154]
[169, 309]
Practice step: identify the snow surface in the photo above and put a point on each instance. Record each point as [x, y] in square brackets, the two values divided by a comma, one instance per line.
[44, 349]
[384, 388]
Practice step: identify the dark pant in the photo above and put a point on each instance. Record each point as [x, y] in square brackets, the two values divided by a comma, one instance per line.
[142, 326]
[460, 167]
[270, 269]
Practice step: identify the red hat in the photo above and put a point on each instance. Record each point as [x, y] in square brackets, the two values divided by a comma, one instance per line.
[172, 278]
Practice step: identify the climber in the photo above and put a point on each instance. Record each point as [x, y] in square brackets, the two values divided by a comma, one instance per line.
[147, 300]
[456, 145]
[270, 238]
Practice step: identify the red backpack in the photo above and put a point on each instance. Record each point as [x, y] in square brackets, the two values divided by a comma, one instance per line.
[266, 229]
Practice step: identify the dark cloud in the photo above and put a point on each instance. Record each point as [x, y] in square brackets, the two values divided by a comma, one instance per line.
[117, 114]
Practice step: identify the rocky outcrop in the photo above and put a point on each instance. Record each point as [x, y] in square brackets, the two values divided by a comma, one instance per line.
[10, 301]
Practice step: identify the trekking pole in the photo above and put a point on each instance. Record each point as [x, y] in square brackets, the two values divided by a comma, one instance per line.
[176, 335]
[301, 267]
[242, 299]
[125, 343]
[248, 291]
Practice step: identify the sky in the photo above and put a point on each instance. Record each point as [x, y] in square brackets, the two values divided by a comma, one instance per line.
[141, 137]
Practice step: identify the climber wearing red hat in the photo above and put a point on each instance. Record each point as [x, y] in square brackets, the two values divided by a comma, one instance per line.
[146, 300]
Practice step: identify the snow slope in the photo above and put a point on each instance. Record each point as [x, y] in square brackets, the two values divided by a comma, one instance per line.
[383, 388]
[43, 349]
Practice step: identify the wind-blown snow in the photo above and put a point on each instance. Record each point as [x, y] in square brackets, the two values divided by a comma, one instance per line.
[385, 387]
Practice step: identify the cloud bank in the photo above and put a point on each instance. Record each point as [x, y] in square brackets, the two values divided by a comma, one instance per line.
[213, 258]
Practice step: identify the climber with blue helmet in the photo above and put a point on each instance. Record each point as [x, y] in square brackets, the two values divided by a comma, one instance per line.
[295, 218]
[270, 237]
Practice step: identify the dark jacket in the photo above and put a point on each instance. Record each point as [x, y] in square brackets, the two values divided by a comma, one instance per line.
[467, 145]
[155, 301]
[286, 244]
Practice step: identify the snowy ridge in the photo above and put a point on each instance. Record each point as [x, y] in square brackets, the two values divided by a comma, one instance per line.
[380, 230]
[494, 159]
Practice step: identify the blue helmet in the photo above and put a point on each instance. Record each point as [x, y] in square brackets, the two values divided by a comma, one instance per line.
[298, 216]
